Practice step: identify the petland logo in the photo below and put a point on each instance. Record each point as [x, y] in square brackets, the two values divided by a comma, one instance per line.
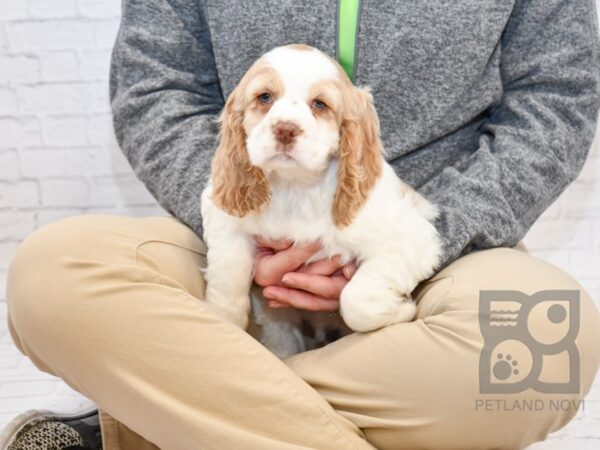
[524, 335]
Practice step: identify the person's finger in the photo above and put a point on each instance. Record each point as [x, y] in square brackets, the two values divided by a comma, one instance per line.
[275, 244]
[261, 252]
[324, 266]
[269, 270]
[322, 286]
[349, 270]
[300, 299]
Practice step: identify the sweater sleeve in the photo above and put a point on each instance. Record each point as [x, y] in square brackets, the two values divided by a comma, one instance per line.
[165, 97]
[535, 142]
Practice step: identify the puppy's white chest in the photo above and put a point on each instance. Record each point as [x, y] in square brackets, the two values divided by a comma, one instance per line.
[303, 214]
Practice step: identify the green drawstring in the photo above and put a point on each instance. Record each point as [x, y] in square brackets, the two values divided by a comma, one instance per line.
[347, 30]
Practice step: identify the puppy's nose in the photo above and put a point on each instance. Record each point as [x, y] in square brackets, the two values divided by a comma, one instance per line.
[285, 133]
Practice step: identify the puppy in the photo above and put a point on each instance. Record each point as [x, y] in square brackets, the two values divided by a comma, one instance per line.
[300, 158]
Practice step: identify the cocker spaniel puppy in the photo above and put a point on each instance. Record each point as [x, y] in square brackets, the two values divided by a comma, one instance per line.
[300, 158]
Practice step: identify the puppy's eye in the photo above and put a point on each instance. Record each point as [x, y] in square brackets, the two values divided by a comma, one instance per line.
[265, 98]
[319, 105]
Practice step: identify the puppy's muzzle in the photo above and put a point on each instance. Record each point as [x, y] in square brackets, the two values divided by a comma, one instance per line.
[285, 135]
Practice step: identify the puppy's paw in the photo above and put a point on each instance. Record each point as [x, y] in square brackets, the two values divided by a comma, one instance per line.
[235, 310]
[368, 308]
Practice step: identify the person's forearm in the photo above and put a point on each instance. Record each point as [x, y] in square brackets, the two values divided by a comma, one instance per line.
[165, 98]
[536, 141]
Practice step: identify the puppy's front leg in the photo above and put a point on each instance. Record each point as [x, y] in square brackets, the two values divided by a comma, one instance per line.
[377, 296]
[229, 275]
[400, 249]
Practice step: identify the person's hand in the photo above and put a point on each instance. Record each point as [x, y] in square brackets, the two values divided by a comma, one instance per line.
[287, 282]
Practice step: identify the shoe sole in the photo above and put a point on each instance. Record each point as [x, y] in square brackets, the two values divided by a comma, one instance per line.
[11, 431]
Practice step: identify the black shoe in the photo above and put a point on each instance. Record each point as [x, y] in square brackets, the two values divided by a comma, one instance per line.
[45, 430]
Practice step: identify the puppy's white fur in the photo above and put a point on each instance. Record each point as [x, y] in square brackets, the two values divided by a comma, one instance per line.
[391, 235]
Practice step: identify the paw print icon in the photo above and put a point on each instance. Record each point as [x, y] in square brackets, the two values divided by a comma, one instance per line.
[524, 334]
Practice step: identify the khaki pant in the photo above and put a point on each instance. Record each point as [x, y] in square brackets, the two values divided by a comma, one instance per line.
[113, 306]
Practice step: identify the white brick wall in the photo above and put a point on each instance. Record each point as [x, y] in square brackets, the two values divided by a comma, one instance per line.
[58, 157]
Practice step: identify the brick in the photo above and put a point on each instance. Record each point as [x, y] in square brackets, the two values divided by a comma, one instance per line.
[584, 263]
[142, 211]
[9, 351]
[557, 234]
[30, 131]
[60, 66]
[44, 217]
[583, 200]
[3, 38]
[591, 169]
[135, 193]
[9, 165]
[9, 103]
[64, 391]
[104, 193]
[122, 190]
[69, 162]
[100, 9]
[16, 225]
[19, 195]
[64, 192]
[13, 9]
[566, 443]
[5, 419]
[3, 331]
[24, 371]
[584, 429]
[560, 258]
[120, 165]
[53, 9]
[65, 34]
[5, 337]
[594, 397]
[18, 405]
[592, 286]
[19, 69]
[131, 211]
[3, 312]
[59, 98]
[69, 131]
[7, 362]
[7, 250]
[554, 211]
[26, 388]
[100, 100]
[596, 236]
[94, 64]
[19, 132]
[100, 129]
[105, 32]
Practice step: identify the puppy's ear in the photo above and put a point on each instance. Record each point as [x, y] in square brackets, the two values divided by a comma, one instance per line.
[238, 186]
[360, 157]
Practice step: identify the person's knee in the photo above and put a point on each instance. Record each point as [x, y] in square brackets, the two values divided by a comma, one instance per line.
[494, 416]
[551, 306]
[46, 244]
[43, 275]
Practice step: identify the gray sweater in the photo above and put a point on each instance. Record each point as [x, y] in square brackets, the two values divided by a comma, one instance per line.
[487, 107]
